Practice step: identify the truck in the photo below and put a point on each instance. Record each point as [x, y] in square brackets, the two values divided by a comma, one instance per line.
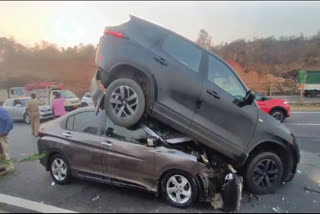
[309, 82]
[46, 91]
[12, 92]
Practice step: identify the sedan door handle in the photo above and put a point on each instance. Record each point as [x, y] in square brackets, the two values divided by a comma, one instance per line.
[214, 94]
[161, 61]
[107, 143]
[67, 134]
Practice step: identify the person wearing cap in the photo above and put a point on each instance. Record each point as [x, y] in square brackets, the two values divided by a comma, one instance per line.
[34, 114]
[58, 106]
[6, 125]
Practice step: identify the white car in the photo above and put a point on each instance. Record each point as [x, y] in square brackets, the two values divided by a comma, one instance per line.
[17, 109]
[86, 100]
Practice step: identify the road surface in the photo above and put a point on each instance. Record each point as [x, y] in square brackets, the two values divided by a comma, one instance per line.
[30, 187]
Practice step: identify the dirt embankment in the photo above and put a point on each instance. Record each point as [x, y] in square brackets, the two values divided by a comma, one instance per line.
[260, 82]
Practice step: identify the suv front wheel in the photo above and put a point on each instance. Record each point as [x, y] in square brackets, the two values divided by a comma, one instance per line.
[124, 102]
[263, 173]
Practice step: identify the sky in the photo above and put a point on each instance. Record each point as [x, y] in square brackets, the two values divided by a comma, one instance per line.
[71, 23]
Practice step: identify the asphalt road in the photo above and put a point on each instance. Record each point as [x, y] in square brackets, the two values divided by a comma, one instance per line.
[32, 182]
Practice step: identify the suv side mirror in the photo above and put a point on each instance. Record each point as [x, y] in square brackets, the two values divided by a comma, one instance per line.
[152, 141]
[248, 100]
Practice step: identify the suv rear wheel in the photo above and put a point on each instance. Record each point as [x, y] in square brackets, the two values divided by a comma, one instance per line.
[263, 173]
[124, 102]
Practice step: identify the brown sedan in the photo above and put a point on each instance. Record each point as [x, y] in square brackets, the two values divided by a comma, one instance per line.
[89, 146]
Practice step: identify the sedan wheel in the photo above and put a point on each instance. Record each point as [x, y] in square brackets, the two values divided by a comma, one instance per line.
[278, 115]
[60, 170]
[179, 188]
[27, 118]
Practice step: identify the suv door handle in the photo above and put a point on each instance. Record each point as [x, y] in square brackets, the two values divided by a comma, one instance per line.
[161, 61]
[106, 143]
[214, 94]
[67, 134]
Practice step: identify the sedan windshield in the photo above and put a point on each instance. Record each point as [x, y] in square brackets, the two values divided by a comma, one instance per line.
[67, 94]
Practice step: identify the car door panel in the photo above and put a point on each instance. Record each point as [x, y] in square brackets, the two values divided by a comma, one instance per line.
[173, 95]
[131, 163]
[221, 122]
[91, 155]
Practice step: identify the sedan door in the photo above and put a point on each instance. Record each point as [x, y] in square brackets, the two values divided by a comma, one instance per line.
[221, 122]
[88, 156]
[131, 161]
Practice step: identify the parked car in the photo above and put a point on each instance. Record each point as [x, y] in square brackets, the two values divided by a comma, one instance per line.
[86, 100]
[17, 109]
[149, 71]
[277, 108]
[71, 101]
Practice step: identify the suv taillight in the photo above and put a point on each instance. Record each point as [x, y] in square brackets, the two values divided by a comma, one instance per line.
[117, 34]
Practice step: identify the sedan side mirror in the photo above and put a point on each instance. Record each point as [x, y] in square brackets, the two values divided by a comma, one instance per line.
[248, 100]
[152, 141]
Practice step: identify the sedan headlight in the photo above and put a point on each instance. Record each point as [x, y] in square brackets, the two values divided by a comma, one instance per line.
[286, 102]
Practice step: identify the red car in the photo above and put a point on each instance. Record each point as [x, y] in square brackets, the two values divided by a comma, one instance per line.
[279, 109]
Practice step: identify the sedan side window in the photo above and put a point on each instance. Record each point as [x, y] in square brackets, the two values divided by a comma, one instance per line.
[17, 102]
[86, 122]
[183, 51]
[69, 124]
[138, 135]
[224, 78]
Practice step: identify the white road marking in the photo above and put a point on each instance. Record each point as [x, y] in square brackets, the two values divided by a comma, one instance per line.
[31, 205]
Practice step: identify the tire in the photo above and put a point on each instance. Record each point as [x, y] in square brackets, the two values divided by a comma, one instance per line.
[189, 191]
[26, 118]
[124, 102]
[256, 171]
[65, 172]
[278, 115]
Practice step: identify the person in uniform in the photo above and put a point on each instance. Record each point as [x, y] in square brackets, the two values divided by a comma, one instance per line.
[6, 125]
[34, 114]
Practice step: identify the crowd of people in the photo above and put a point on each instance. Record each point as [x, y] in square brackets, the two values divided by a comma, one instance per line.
[6, 125]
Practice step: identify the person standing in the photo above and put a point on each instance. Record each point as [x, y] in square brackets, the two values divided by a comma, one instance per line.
[58, 106]
[34, 114]
[6, 125]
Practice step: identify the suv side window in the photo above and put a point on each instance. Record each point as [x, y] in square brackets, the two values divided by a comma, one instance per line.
[85, 122]
[224, 78]
[183, 51]
[137, 136]
[9, 103]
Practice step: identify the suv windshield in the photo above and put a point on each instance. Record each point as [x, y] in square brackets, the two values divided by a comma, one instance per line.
[67, 94]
